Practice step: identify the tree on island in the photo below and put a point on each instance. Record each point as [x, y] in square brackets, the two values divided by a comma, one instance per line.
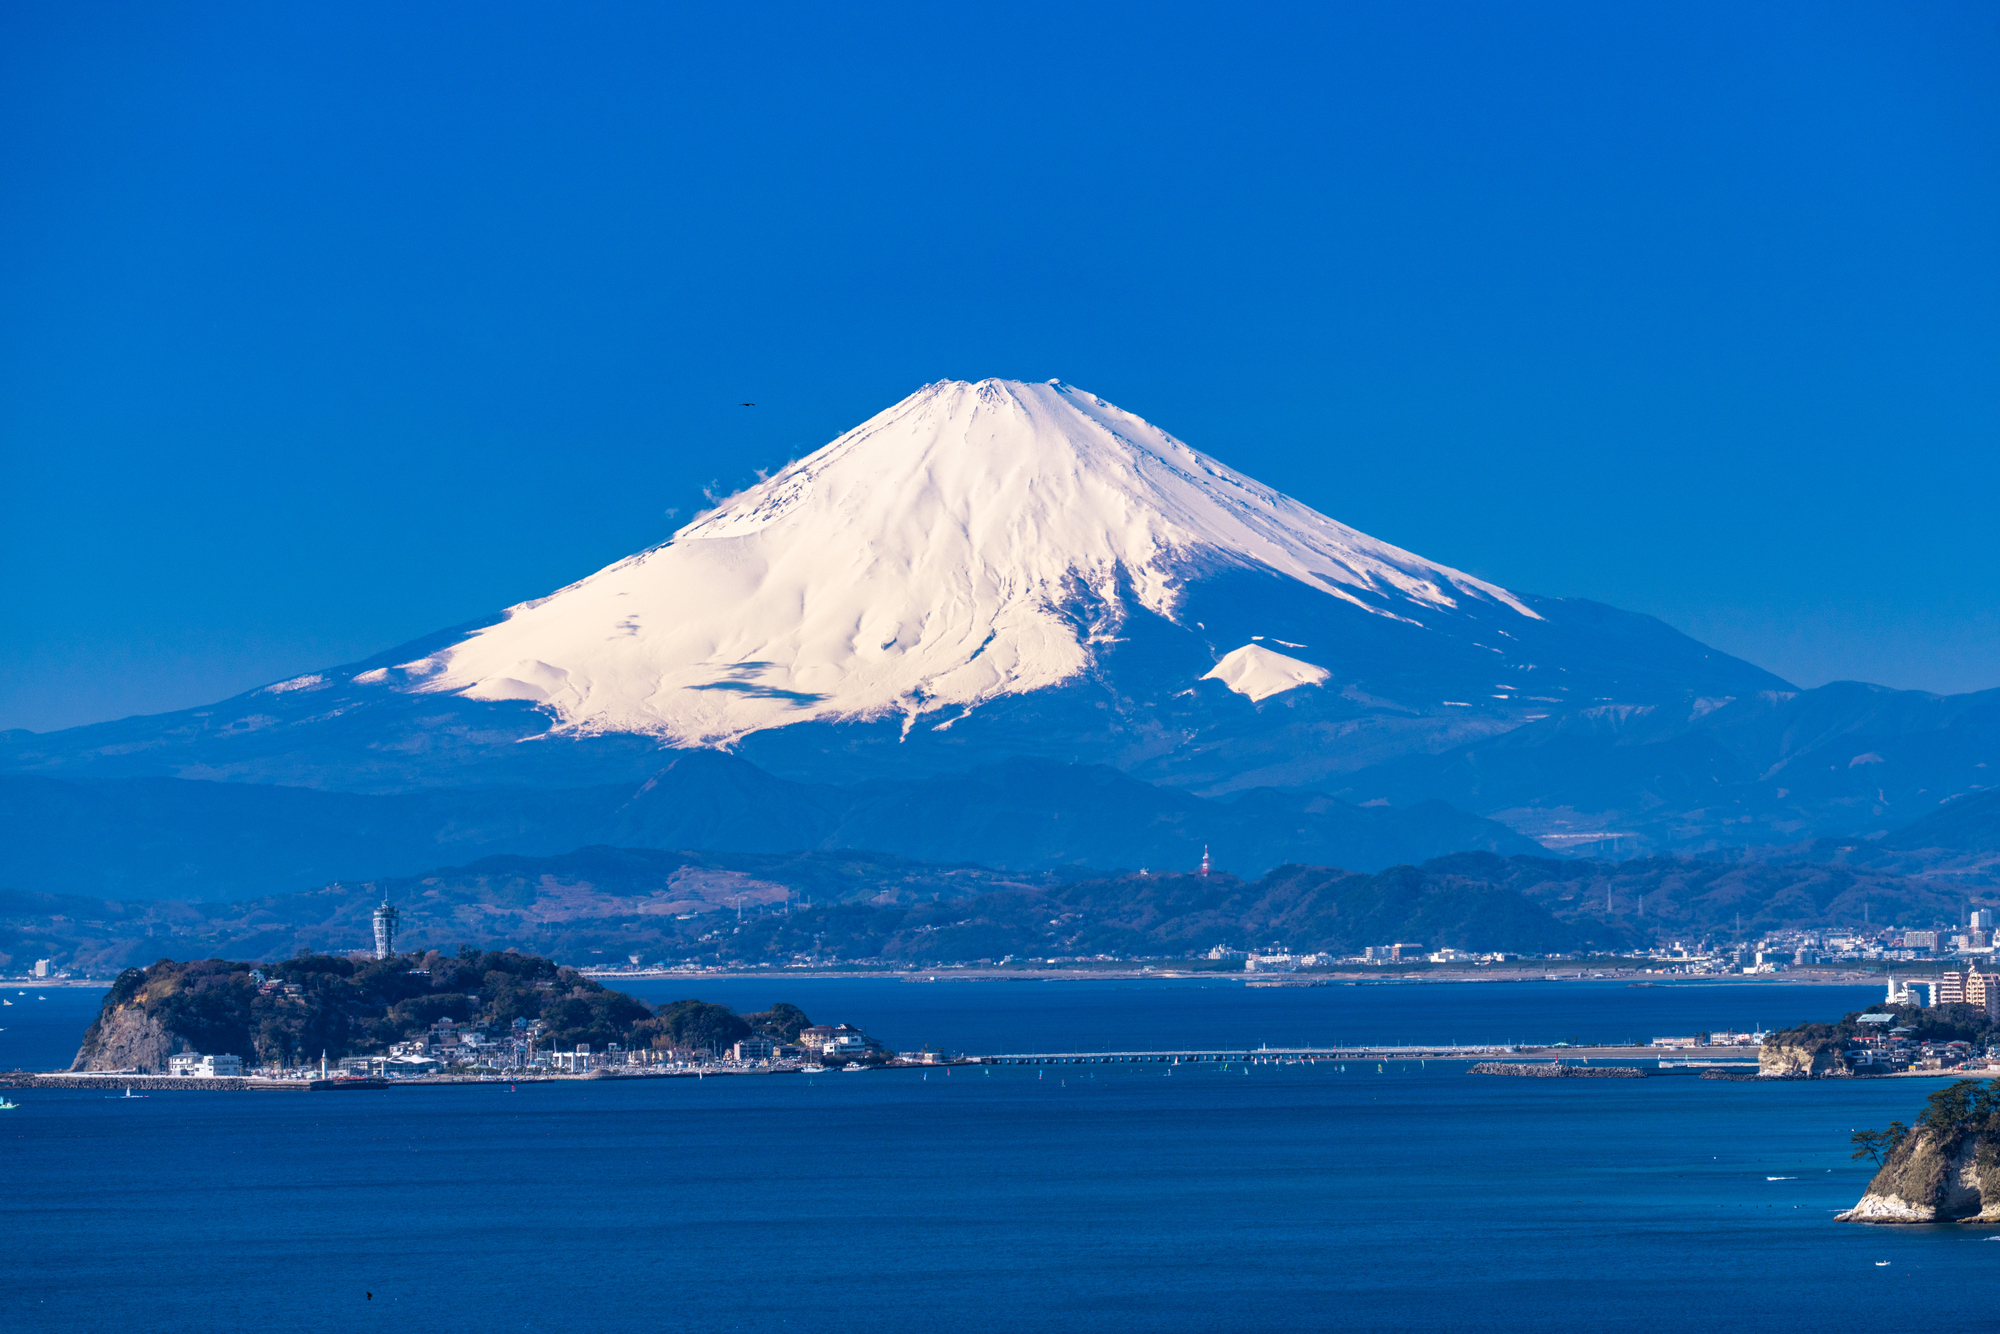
[1876, 1145]
[690, 1026]
[1967, 1107]
[780, 1023]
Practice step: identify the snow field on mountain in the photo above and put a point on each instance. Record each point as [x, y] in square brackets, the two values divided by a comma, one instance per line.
[919, 565]
[1260, 673]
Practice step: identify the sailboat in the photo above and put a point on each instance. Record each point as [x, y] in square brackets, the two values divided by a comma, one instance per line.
[6, 1106]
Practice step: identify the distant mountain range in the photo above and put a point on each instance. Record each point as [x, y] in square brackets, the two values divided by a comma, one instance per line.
[607, 905]
[1969, 825]
[594, 905]
[1700, 774]
[1007, 623]
[163, 837]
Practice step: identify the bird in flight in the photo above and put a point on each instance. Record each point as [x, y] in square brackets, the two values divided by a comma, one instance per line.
[746, 405]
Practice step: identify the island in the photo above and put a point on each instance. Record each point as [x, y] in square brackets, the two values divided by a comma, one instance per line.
[1945, 1169]
[411, 1013]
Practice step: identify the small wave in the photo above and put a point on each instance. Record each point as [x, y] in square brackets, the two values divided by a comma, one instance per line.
[1881, 1264]
[1781, 1178]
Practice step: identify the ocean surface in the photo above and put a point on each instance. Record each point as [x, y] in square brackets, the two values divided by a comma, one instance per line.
[1398, 1196]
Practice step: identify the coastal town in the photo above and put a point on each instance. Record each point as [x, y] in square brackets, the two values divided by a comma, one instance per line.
[1928, 970]
[520, 1050]
[1894, 950]
[1904, 952]
[450, 1052]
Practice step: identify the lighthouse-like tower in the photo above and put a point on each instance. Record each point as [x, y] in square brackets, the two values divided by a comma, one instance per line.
[385, 928]
[1205, 863]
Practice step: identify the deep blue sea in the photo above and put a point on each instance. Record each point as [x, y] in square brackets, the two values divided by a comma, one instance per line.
[1102, 1198]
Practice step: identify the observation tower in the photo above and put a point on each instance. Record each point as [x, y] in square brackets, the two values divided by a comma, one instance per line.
[385, 928]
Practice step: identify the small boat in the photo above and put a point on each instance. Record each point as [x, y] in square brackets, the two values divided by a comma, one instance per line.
[851, 1068]
[812, 1069]
[6, 1106]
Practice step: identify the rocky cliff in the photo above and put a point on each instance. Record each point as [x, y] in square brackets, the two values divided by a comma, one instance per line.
[1944, 1170]
[1931, 1179]
[1804, 1059]
[125, 1037]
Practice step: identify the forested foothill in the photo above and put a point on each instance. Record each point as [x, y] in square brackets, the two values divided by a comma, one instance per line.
[601, 905]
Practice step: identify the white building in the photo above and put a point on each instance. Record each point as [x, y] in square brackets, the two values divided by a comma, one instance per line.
[1912, 993]
[409, 1065]
[44, 967]
[196, 1065]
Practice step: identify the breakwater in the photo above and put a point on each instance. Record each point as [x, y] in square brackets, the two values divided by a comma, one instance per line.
[143, 1083]
[1554, 1070]
[188, 1083]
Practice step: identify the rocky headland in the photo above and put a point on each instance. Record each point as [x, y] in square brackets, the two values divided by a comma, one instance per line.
[1945, 1169]
[1820, 1051]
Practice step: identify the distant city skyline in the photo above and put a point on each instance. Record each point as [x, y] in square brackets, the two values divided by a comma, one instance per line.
[326, 330]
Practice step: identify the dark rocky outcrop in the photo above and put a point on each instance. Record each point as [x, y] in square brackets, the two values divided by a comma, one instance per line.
[1555, 1070]
[1944, 1170]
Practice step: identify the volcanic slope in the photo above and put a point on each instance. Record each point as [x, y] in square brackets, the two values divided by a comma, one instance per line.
[972, 542]
[981, 571]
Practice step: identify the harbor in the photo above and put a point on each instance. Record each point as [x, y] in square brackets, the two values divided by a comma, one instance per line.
[1633, 1057]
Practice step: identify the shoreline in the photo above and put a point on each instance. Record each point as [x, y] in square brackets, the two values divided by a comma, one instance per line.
[1356, 976]
[1359, 976]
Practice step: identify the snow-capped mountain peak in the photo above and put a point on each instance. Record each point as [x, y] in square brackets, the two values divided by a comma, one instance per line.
[932, 558]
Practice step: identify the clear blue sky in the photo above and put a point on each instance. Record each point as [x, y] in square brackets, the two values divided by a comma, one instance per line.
[325, 326]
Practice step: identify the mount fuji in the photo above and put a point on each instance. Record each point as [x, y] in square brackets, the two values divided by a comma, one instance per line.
[981, 571]
[974, 542]
[997, 574]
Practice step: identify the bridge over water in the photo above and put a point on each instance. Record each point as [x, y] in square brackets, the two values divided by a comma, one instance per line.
[1240, 1055]
[1297, 1055]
